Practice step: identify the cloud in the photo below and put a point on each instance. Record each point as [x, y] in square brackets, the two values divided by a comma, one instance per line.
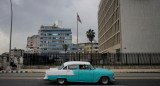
[4, 42]
[17, 2]
[29, 15]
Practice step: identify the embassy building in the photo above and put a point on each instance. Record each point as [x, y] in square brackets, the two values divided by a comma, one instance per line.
[52, 39]
[129, 26]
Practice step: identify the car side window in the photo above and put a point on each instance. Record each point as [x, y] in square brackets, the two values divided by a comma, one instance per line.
[72, 67]
[84, 67]
[65, 68]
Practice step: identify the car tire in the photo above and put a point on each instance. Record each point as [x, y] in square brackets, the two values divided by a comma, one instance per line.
[61, 81]
[104, 80]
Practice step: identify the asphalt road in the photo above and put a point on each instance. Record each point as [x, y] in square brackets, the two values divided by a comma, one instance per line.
[122, 79]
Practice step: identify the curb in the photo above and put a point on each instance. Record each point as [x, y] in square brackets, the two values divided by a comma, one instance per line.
[35, 71]
[13, 71]
[22, 72]
[136, 71]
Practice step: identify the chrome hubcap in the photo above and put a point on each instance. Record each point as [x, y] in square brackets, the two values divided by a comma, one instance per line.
[104, 80]
[61, 81]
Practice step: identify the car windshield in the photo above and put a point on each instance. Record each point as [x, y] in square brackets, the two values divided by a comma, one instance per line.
[60, 67]
[92, 68]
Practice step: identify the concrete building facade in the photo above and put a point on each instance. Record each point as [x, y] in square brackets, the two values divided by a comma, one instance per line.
[52, 39]
[33, 43]
[77, 48]
[129, 26]
[17, 56]
[90, 47]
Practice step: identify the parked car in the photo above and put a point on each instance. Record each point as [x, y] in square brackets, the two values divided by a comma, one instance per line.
[79, 71]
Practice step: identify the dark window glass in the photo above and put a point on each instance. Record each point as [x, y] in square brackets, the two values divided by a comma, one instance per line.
[72, 67]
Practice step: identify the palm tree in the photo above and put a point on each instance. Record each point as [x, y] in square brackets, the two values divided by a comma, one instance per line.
[65, 47]
[90, 35]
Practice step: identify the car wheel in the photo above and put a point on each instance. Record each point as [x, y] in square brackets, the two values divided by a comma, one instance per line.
[104, 80]
[61, 81]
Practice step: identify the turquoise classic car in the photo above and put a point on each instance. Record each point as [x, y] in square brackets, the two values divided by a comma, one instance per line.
[79, 71]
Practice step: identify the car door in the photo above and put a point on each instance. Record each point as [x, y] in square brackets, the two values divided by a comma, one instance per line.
[85, 74]
[72, 73]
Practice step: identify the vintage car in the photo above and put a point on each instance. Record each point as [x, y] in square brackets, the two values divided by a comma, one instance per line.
[79, 71]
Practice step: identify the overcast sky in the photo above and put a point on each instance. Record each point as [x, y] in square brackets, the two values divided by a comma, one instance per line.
[29, 15]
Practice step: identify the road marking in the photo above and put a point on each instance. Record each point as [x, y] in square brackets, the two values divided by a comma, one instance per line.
[137, 77]
[115, 77]
[136, 71]
[21, 78]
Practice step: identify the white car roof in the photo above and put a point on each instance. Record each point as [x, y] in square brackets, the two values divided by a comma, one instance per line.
[76, 62]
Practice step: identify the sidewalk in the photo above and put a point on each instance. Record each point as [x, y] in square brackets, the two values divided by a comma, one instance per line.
[114, 70]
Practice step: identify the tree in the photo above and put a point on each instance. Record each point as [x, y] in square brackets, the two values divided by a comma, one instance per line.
[90, 35]
[65, 47]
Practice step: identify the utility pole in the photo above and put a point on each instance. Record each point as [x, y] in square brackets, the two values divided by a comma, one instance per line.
[10, 34]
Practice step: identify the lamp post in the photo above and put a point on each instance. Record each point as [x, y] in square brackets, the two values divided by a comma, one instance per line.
[10, 34]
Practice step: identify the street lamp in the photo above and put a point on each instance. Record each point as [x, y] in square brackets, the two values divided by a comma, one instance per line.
[10, 34]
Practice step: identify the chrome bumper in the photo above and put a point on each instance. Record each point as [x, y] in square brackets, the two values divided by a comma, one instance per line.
[112, 80]
[45, 77]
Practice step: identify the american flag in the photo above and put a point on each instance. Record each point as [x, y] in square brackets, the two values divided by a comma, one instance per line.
[78, 18]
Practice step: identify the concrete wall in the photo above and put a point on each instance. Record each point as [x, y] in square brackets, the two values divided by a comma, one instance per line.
[140, 25]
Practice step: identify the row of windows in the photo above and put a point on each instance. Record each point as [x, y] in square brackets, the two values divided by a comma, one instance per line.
[114, 29]
[54, 34]
[56, 38]
[111, 42]
[108, 20]
[55, 30]
[52, 48]
[108, 24]
[45, 45]
[104, 7]
[107, 6]
[57, 41]
[77, 48]
[108, 10]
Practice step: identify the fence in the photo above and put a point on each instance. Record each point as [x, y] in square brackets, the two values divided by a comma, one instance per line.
[44, 59]
[95, 58]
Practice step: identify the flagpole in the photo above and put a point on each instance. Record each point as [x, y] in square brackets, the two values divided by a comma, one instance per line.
[77, 34]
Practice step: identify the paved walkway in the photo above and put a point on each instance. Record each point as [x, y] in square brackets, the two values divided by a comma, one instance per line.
[136, 70]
